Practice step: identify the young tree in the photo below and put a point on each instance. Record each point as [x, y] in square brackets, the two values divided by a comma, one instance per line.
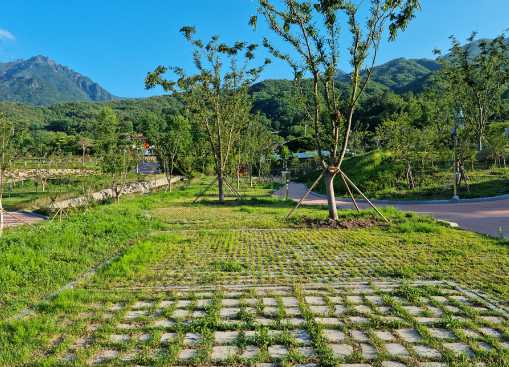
[312, 30]
[257, 145]
[405, 142]
[151, 124]
[496, 149]
[85, 143]
[438, 104]
[173, 145]
[118, 150]
[7, 150]
[216, 96]
[477, 75]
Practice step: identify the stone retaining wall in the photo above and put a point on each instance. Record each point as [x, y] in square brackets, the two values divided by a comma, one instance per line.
[132, 188]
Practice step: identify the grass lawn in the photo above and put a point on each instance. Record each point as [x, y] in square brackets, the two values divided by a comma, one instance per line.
[380, 177]
[182, 268]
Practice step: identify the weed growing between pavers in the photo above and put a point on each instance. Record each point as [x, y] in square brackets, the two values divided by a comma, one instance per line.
[278, 256]
[329, 324]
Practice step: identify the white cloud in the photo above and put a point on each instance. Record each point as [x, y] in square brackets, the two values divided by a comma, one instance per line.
[5, 35]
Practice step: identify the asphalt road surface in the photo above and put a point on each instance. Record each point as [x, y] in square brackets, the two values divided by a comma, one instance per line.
[14, 219]
[488, 216]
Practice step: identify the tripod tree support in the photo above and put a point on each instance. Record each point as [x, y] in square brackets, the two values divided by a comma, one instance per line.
[228, 185]
[350, 191]
[348, 183]
[203, 192]
[232, 189]
[305, 195]
[364, 196]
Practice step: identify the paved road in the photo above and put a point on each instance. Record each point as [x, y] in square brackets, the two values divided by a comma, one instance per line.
[149, 168]
[13, 219]
[483, 216]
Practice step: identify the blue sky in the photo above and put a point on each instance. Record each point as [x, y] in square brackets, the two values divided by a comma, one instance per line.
[115, 42]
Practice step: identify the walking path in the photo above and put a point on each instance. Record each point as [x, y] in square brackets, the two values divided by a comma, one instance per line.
[13, 219]
[352, 324]
[488, 215]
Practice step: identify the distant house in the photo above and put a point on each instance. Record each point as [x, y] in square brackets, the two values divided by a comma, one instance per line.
[149, 150]
[310, 154]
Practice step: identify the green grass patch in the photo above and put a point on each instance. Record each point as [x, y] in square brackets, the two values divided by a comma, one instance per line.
[228, 266]
[381, 177]
[37, 260]
[136, 258]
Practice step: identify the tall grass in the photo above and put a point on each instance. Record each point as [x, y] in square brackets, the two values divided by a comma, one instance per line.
[35, 261]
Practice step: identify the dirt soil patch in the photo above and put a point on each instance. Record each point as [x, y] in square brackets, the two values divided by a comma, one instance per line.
[343, 224]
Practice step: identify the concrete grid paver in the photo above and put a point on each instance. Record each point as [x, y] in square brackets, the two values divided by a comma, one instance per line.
[354, 338]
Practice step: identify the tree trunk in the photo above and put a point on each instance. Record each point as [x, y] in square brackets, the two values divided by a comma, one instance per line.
[170, 184]
[220, 185]
[238, 178]
[410, 177]
[2, 218]
[166, 171]
[238, 174]
[331, 198]
[115, 189]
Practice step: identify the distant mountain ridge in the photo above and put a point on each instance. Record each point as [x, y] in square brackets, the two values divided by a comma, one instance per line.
[401, 75]
[41, 81]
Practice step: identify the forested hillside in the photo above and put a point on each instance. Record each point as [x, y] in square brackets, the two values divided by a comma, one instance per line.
[58, 105]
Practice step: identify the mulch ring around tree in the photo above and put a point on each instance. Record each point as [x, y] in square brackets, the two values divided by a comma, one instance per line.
[353, 223]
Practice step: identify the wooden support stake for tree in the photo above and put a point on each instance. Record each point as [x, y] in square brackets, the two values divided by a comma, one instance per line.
[232, 189]
[305, 195]
[201, 193]
[56, 213]
[60, 213]
[349, 192]
[228, 186]
[364, 196]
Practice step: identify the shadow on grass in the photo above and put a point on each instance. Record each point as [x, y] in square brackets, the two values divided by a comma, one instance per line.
[495, 187]
[264, 201]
